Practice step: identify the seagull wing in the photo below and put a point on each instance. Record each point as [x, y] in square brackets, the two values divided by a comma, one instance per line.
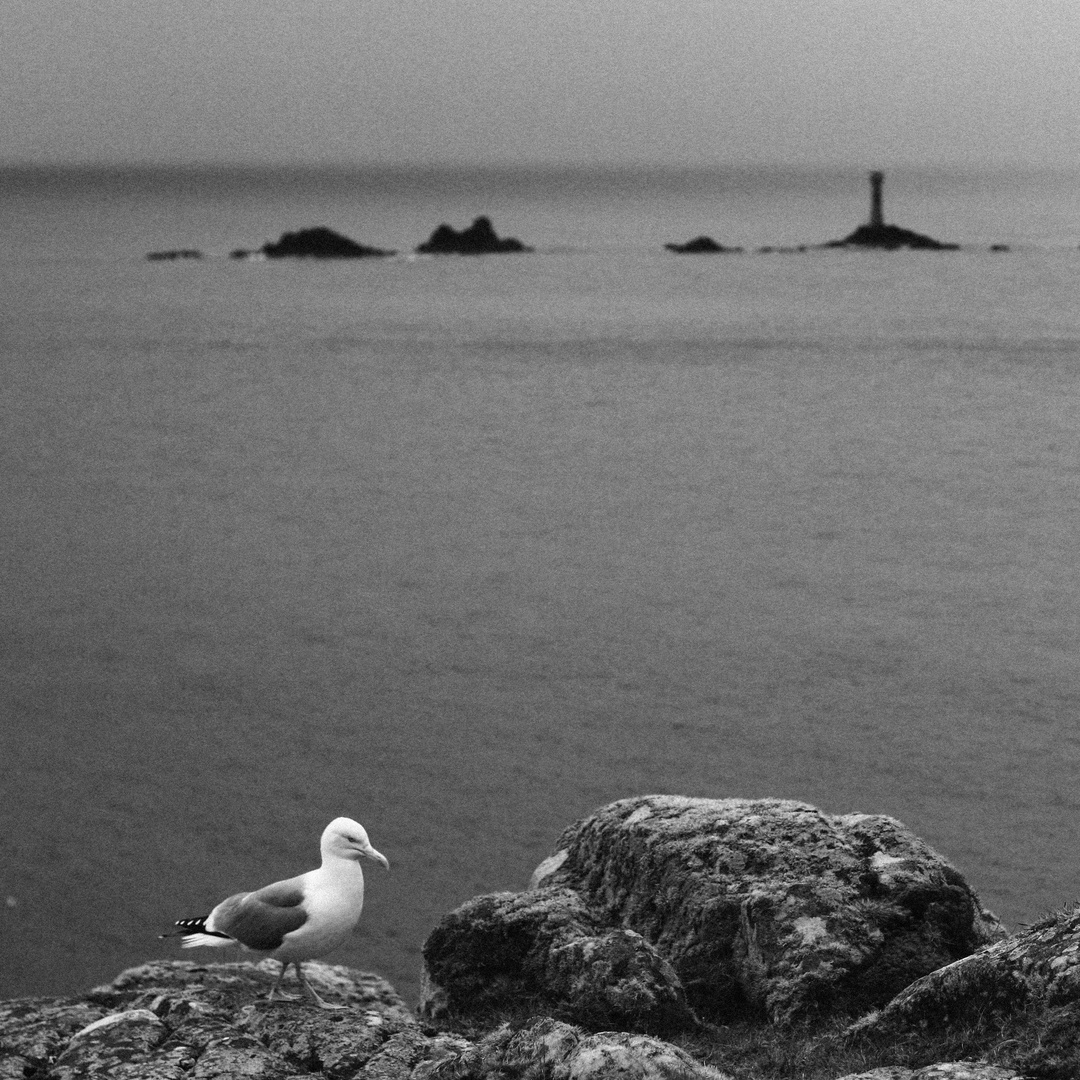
[260, 920]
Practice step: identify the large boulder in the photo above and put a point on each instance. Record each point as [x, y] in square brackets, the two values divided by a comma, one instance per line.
[1027, 986]
[547, 952]
[478, 239]
[763, 908]
[771, 903]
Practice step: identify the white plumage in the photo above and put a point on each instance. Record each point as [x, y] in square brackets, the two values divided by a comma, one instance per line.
[298, 919]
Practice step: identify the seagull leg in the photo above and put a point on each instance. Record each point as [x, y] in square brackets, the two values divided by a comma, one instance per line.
[273, 989]
[311, 990]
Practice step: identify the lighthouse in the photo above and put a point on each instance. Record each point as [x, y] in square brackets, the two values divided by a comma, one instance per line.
[877, 218]
[876, 234]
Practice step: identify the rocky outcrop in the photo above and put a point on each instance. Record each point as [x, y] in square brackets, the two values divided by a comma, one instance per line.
[183, 1020]
[1027, 985]
[478, 239]
[765, 908]
[204, 1021]
[317, 243]
[890, 238]
[654, 917]
[773, 904]
[545, 1048]
[701, 245]
[547, 952]
[212, 1022]
[876, 234]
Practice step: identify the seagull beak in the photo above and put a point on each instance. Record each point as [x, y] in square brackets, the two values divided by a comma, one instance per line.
[375, 856]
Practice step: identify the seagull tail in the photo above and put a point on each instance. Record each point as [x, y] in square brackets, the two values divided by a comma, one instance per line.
[214, 941]
[195, 934]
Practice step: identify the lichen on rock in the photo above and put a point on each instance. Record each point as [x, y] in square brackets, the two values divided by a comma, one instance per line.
[946, 1070]
[185, 1021]
[763, 907]
[549, 1048]
[546, 951]
[1026, 978]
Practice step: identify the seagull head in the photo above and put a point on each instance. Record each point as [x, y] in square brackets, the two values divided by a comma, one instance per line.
[344, 838]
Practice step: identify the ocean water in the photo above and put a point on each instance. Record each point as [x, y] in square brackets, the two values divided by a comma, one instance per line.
[464, 548]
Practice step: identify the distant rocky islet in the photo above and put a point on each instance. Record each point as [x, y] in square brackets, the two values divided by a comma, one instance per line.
[480, 238]
[875, 234]
[321, 242]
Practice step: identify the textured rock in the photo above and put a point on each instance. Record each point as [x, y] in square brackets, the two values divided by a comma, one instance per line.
[478, 239]
[549, 1049]
[770, 905]
[226, 988]
[948, 1070]
[182, 1020]
[409, 1052]
[177, 1020]
[547, 951]
[1034, 971]
[34, 1031]
[121, 1044]
[319, 243]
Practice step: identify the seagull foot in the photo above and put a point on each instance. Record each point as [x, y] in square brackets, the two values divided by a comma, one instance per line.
[318, 1000]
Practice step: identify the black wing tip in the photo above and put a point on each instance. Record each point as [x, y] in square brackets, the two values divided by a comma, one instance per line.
[184, 927]
[187, 927]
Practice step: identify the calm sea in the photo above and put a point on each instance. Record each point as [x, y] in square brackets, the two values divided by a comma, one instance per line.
[464, 548]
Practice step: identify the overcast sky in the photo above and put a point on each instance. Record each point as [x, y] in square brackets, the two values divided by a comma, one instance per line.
[802, 82]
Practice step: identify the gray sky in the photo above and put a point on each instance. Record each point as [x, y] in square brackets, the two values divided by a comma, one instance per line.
[593, 81]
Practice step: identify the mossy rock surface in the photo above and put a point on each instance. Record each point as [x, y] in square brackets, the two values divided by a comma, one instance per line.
[767, 908]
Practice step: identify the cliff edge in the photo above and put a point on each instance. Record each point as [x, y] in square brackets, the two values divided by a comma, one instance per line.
[665, 938]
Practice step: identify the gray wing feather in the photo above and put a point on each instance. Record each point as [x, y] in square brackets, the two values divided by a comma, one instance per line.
[260, 920]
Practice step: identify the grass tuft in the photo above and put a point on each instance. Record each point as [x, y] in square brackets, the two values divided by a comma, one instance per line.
[1040, 1043]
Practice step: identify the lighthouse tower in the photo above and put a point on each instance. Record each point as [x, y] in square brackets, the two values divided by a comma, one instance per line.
[877, 218]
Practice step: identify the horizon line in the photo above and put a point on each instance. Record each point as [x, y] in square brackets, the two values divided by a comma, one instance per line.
[495, 165]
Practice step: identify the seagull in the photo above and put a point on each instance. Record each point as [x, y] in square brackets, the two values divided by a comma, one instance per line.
[300, 918]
